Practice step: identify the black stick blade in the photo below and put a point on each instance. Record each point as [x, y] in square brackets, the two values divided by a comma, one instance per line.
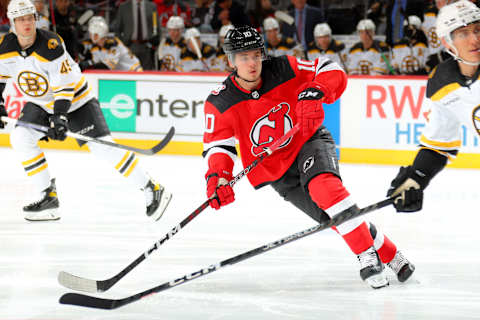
[164, 141]
[82, 300]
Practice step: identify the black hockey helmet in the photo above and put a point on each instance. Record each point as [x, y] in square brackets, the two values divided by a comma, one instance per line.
[241, 39]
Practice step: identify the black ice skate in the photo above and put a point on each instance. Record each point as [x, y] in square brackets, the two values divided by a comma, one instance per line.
[157, 199]
[46, 208]
[372, 269]
[401, 266]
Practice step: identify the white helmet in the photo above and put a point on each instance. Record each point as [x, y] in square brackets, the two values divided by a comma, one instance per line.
[322, 29]
[224, 29]
[98, 25]
[20, 8]
[413, 21]
[175, 22]
[270, 24]
[366, 24]
[192, 33]
[453, 16]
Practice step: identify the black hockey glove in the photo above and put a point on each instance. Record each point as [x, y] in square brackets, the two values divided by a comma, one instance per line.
[58, 126]
[407, 189]
[309, 107]
[3, 113]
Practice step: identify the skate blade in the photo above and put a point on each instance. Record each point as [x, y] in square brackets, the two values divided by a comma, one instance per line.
[164, 202]
[44, 215]
[378, 281]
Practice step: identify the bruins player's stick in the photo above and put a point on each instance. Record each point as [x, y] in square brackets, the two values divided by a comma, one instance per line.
[78, 136]
[82, 284]
[94, 302]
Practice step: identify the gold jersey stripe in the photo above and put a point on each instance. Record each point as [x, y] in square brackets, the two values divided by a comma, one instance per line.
[26, 163]
[439, 144]
[132, 166]
[9, 55]
[444, 91]
[31, 173]
[125, 157]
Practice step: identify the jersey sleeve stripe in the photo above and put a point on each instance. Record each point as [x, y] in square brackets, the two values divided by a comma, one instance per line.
[215, 150]
[450, 145]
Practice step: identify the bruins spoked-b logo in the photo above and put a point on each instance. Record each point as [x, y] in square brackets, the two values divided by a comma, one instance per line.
[268, 128]
[476, 118]
[32, 84]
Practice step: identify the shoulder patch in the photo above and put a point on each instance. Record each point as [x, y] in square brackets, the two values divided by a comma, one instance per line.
[49, 45]
[444, 79]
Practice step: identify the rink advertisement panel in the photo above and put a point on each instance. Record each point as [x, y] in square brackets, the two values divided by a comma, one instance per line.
[382, 119]
[378, 120]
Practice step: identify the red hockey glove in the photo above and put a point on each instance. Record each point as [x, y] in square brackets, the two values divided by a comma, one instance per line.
[309, 107]
[219, 191]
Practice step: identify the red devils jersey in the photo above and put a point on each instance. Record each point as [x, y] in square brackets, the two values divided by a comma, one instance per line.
[258, 118]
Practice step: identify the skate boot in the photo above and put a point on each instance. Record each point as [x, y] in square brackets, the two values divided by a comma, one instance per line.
[401, 266]
[46, 207]
[156, 198]
[372, 269]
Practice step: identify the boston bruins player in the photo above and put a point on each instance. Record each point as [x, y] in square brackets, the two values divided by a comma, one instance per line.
[453, 97]
[170, 50]
[105, 51]
[58, 96]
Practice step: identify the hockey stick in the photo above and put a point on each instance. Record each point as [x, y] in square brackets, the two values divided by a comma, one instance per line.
[78, 136]
[100, 303]
[83, 284]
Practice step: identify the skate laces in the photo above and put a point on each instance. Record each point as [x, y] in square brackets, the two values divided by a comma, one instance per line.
[397, 262]
[368, 258]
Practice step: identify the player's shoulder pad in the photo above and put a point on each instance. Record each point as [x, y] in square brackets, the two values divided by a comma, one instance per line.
[442, 76]
[290, 42]
[311, 45]
[225, 96]
[110, 42]
[208, 51]
[383, 45]
[49, 45]
[357, 46]
[400, 44]
[338, 45]
[8, 43]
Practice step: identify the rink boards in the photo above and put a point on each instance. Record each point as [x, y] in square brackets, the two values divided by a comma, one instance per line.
[377, 120]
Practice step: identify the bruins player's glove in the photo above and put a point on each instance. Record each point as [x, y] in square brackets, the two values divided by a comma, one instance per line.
[58, 126]
[407, 190]
[3, 113]
[309, 107]
[219, 191]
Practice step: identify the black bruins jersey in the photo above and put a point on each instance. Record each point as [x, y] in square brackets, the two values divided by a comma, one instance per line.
[44, 72]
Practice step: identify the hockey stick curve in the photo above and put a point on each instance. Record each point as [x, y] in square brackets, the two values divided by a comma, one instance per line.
[108, 304]
[89, 285]
[159, 146]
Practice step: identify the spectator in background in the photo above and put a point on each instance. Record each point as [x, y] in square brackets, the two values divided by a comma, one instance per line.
[436, 50]
[262, 10]
[377, 13]
[202, 15]
[281, 5]
[42, 20]
[325, 45]
[104, 51]
[369, 56]
[229, 12]
[170, 8]
[306, 18]
[278, 45]
[220, 62]
[396, 12]
[136, 24]
[170, 50]
[409, 55]
[66, 26]
[198, 55]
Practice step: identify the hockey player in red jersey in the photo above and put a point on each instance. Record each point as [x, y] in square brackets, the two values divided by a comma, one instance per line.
[257, 104]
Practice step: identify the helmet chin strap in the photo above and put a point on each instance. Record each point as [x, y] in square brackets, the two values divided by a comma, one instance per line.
[235, 73]
[455, 55]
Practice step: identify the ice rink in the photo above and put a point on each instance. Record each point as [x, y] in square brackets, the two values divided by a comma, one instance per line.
[104, 228]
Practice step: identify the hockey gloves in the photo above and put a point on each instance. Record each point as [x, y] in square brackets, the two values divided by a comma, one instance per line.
[58, 126]
[407, 190]
[219, 191]
[309, 107]
[3, 113]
